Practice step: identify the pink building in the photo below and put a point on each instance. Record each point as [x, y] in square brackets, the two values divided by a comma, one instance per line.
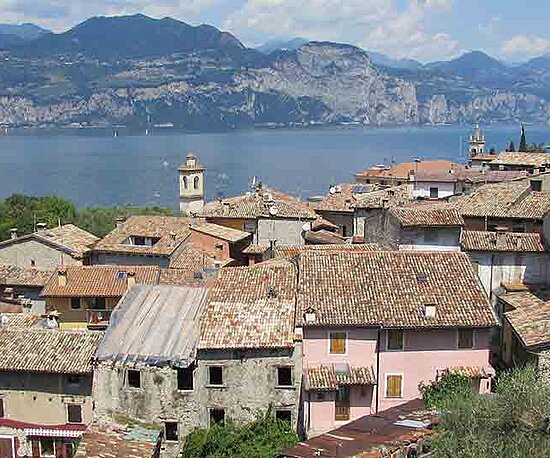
[377, 324]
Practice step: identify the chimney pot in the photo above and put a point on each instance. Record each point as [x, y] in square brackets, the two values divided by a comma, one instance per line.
[429, 310]
[62, 277]
[119, 221]
[13, 232]
[130, 279]
[40, 227]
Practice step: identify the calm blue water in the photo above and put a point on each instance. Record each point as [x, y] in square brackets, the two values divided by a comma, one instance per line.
[94, 168]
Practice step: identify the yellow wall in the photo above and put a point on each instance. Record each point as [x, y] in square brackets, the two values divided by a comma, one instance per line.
[79, 317]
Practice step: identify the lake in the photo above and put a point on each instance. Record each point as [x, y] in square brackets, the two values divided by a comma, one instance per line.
[93, 168]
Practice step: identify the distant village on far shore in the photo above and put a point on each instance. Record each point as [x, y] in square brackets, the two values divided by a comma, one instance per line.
[327, 314]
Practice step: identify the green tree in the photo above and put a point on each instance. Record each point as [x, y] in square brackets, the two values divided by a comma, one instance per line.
[262, 438]
[452, 385]
[523, 141]
[514, 422]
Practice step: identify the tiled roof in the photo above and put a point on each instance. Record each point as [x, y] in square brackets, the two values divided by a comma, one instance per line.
[251, 307]
[172, 231]
[390, 197]
[323, 237]
[8, 306]
[517, 158]
[221, 232]
[68, 238]
[256, 205]
[22, 320]
[418, 216]
[509, 199]
[256, 249]
[531, 317]
[20, 276]
[99, 281]
[501, 241]
[392, 289]
[402, 170]
[155, 324]
[339, 201]
[472, 371]
[47, 350]
[288, 252]
[328, 378]
[114, 442]
[264, 323]
[189, 258]
[187, 277]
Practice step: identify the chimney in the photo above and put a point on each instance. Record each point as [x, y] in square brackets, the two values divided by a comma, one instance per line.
[173, 235]
[429, 310]
[310, 316]
[40, 227]
[13, 233]
[130, 279]
[119, 221]
[61, 277]
[8, 293]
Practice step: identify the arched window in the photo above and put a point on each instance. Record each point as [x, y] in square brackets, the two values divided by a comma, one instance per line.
[185, 182]
[196, 182]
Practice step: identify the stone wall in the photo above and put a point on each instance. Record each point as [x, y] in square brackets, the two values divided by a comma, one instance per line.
[45, 257]
[282, 231]
[123, 259]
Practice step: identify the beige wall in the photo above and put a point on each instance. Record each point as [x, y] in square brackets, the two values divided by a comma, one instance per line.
[43, 398]
[45, 257]
[63, 306]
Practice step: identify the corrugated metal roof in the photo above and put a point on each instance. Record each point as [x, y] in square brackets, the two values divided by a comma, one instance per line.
[157, 325]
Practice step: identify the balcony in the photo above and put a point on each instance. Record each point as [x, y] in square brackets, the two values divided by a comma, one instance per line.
[98, 318]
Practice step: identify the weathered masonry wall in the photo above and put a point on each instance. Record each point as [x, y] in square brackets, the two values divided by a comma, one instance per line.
[43, 398]
[282, 231]
[45, 257]
[123, 259]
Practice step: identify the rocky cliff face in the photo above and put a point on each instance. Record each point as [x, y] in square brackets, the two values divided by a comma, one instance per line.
[318, 83]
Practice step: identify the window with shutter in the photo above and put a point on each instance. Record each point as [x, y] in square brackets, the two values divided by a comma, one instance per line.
[394, 386]
[1, 408]
[338, 343]
[395, 339]
[465, 338]
[74, 413]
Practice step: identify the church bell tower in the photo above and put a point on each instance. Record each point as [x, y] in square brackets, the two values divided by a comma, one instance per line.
[191, 183]
[476, 144]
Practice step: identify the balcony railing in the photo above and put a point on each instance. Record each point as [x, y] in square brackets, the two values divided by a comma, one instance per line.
[98, 318]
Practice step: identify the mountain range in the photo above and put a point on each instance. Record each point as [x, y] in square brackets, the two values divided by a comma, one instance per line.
[139, 71]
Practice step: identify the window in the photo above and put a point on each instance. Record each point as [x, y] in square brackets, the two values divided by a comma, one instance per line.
[133, 378]
[283, 415]
[536, 185]
[434, 193]
[99, 303]
[217, 416]
[431, 235]
[215, 375]
[171, 431]
[75, 303]
[73, 379]
[185, 378]
[284, 376]
[1, 408]
[465, 338]
[394, 386]
[394, 339]
[47, 447]
[338, 343]
[74, 413]
[341, 404]
[33, 263]
[196, 182]
[185, 182]
[518, 227]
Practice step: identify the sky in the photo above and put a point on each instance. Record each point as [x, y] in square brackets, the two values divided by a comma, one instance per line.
[427, 30]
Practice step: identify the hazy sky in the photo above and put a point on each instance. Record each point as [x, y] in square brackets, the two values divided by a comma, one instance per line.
[423, 29]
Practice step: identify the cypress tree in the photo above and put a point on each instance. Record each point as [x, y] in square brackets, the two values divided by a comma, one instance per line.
[523, 141]
[512, 147]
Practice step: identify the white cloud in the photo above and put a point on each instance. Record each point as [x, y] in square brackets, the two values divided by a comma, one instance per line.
[525, 46]
[373, 24]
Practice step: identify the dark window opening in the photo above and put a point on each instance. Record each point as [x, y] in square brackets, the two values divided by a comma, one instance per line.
[185, 378]
[47, 447]
[536, 185]
[434, 193]
[185, 182]
[73, 379]
[196, 182]
[217, 416]
[1, 408]
[33, 263]
[395, 339]
[99, 303]
[284, 376]
[465, 338]
[75, 303]
[74, 413]
[215, 375]
[133, 378]
[171, 431]
[283, 415]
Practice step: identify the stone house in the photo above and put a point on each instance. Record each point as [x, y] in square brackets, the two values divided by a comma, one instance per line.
[270, 216]
[25, 284]
[507, 258]
[421, 227]
[84, 296]
[249, 357]
[146, 367]
[46, 395]
[376, 324]
[220, 242]
[45, 249]
[143, 240]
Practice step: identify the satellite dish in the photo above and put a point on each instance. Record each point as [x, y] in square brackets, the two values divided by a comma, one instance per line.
[306, 227]
[332, 190]
[273, 210]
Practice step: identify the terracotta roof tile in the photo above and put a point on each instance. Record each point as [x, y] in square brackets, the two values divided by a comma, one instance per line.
[392, 288]
[221, 232]
[427, 217]
[531, 317]
[402, 170]
[170, 230]
[22, 320]
[99, 281]
[21, 276]
[390, 197]
[472, 371]
[328, 378]
[341, 200]
[47, 350]
[501, 241]
[256, 205]
[287, 252]
[518, 158]
[323, 237]
[256, 249]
